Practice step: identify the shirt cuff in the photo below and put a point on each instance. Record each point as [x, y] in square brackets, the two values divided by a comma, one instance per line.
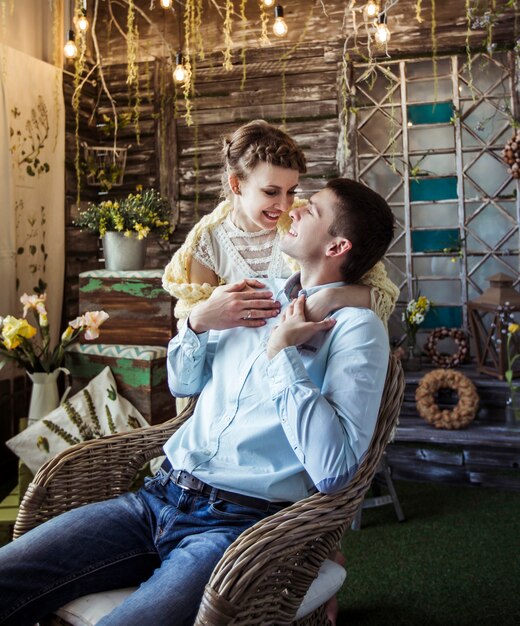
[190, 341]
[285, 369]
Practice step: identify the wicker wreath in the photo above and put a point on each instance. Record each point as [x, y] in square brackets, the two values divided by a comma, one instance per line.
[447, 360]
[465, 410]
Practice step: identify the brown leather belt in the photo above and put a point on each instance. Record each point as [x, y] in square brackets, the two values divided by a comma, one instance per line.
[185, 480]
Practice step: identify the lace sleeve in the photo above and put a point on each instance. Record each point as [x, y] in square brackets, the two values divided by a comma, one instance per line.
[203, 251]
[384, 293]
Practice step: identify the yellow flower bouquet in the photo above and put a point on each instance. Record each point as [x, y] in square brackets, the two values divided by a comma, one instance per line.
[137, 215]
[414, 315]
[17, 336]
[512, 355]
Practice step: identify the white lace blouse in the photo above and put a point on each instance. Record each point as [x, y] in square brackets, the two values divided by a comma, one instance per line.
[234, 254]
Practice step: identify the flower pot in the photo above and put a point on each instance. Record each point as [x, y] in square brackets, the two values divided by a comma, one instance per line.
[412, 361]
[512, 409]
[44, 396]
[123, 253]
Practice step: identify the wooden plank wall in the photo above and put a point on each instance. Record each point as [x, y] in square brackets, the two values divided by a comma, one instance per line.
[183, 161]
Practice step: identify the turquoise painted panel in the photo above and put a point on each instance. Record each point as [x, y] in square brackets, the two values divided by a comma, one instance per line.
[432, 113]
[449, 316]
[445, 240]
[429, 189]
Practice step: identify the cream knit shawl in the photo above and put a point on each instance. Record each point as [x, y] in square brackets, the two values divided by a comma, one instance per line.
[383, 294]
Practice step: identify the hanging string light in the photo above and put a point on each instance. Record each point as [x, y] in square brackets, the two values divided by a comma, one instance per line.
[166, 4]
[268, 3]
[179, 73]
[82, 22]
[371, 9]
[280, 27]
[382, 34]
[70, 50]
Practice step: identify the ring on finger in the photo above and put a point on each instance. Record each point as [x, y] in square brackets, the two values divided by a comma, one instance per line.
[248, 316]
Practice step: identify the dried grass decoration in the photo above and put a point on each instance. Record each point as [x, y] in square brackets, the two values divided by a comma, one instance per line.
[511, 155]
[447, 360]
[465, 410]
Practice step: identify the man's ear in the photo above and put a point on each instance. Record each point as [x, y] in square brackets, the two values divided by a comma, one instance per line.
[338, 247]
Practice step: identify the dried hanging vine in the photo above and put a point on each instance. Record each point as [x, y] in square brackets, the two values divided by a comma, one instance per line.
[418, 11]
[228, 41]
[79, 68]
[469, 58]
[264, 21]
[189, 57]
[243, 19]
[434, 52]
[132, 79]
[198, 30]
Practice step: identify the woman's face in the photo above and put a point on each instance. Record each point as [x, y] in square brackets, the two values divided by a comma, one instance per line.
[267, 192]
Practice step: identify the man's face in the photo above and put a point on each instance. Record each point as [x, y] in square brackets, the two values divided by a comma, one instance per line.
[309, 237]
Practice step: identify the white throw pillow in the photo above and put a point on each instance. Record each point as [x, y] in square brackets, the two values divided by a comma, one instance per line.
[88, 610]
[94, 411]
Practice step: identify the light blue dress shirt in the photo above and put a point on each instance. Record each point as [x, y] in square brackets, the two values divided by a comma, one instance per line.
[283, 428]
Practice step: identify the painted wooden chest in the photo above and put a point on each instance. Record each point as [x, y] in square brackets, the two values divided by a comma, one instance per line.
[141, 311]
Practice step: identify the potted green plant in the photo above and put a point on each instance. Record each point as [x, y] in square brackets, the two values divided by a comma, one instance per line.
[124, 225]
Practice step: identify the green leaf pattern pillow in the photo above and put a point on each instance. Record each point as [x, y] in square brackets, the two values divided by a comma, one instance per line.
[94, 411]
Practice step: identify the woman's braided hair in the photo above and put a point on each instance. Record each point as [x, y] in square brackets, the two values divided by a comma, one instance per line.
[258, 142]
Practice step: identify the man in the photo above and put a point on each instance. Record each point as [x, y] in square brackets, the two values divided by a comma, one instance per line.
[284, 409]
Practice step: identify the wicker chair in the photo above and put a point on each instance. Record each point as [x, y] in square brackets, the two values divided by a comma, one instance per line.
[264, 575]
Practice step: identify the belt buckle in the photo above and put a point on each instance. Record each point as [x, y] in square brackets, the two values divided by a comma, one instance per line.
[176, 476]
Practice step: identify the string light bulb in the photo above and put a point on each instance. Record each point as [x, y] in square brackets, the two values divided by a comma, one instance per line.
[268, 3]
[70, 50]
[166, 4]
[371, 9]
[280, 26]
[382, 34]
[179, 73]
[82, 22]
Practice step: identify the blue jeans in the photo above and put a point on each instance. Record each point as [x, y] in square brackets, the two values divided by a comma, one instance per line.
[163, 538]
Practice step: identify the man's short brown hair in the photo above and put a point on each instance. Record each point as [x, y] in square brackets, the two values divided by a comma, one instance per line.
[364, 218]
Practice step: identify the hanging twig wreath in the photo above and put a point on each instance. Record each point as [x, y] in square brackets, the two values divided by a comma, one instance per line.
[458, 417]
[447, 360]
[511, 155]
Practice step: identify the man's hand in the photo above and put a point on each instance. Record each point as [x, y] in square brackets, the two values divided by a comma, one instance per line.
[238, 304]
[294, 329]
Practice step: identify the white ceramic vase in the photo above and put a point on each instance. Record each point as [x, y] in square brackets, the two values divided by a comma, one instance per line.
[44, 396]
[123, 253]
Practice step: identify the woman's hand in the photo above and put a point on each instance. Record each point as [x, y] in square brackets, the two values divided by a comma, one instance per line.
[326, 301]
[238, 304]
[294, 329]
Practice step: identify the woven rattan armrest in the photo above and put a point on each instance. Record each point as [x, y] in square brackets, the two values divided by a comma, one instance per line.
[264, 575]
[92, 471]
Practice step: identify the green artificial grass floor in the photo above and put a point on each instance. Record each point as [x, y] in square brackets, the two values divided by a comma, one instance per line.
[455, 560]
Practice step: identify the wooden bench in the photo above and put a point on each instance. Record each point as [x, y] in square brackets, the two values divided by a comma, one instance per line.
[485, 453]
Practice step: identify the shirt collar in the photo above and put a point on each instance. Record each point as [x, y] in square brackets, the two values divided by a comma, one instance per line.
[293, 288]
